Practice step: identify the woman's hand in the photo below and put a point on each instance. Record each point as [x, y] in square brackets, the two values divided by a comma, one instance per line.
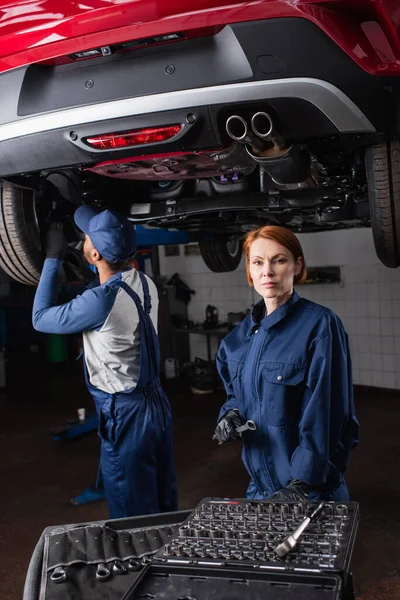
[226, 428]
[295, 491]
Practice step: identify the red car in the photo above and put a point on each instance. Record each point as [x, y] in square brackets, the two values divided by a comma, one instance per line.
[202, 116]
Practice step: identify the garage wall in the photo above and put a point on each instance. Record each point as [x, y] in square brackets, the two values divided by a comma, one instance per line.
[229, 292]
[367, 300]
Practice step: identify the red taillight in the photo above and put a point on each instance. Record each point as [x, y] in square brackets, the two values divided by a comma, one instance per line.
[137, 137]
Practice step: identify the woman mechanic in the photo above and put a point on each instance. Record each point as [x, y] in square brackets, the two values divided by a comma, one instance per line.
[287, 367]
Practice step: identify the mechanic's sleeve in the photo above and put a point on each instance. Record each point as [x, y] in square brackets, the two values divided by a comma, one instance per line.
[87, 311]
[328, 428]
[222, 367]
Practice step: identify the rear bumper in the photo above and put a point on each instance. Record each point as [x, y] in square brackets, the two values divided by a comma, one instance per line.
[334, 104]
[287, 66]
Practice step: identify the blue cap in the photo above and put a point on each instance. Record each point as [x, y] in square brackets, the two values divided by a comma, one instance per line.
[111, 234]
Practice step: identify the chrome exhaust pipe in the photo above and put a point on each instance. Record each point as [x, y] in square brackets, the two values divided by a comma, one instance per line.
[263, 127]
[286, 164]
[238, 130]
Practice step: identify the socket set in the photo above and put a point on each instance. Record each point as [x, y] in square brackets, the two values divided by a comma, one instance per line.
[241, 532]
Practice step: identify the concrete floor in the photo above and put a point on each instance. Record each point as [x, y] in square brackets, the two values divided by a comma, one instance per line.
[38, 475]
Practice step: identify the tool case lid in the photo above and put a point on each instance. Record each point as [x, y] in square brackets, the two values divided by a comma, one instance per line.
[169, 582]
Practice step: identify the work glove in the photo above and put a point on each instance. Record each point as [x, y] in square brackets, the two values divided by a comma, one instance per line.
[56, 244]
[225, 430]
[295, 490]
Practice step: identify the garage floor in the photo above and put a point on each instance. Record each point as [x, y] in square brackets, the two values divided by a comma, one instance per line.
[38, 475]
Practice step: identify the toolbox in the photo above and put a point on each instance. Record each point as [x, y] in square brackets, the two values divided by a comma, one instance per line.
[226, 548]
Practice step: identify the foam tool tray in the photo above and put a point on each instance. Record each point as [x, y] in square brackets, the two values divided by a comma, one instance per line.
[240, 533]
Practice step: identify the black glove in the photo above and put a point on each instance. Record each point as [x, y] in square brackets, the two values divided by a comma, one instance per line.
[56, 244]
[294, 491]
[225, 430]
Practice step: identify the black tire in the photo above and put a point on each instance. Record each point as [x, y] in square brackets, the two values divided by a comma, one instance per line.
[20, 247]
[382, 163]
[222, 255]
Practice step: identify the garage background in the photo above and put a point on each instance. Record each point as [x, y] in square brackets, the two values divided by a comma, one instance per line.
[39, 475]
[366, 298]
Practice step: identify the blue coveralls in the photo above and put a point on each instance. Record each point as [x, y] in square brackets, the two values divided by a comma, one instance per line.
[136, 432]
[290, 372]
[135, 427]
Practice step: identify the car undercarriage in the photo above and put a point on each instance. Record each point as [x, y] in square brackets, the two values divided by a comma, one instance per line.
[209, 130]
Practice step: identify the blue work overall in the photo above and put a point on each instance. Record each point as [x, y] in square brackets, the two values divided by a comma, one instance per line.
[135, 429]
[290, 372]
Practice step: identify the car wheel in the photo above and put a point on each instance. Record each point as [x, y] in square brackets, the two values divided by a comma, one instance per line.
[20, 247]
[382, 163]
[222, 255]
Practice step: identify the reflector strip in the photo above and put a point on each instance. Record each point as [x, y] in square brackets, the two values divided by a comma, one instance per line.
[137, 137]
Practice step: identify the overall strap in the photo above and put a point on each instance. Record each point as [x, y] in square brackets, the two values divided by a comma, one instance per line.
[146, 293]
[135, 297]
[147, 327]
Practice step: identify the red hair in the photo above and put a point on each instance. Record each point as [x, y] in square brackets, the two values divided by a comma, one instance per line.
[281, 236]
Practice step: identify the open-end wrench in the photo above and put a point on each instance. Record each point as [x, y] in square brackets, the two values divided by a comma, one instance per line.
[248, 426]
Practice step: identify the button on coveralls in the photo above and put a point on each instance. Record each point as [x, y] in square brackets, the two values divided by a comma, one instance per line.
[290, 372]
[135, 425]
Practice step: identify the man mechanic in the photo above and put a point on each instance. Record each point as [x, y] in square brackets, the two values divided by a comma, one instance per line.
[118, 319]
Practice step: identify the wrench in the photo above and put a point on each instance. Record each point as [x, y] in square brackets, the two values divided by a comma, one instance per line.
[249, 425]
[103, 572]
[58, 575]
[119, 567]
[134, 565]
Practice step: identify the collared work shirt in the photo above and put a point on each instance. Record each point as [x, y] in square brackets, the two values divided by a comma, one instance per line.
[108, 320]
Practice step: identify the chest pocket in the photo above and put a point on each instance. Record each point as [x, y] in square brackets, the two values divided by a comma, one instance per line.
[282, 391]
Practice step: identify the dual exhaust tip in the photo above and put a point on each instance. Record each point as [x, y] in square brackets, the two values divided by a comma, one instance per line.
[262, 131]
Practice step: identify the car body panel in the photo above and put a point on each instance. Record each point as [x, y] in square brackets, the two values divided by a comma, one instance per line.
[316, 92]
[343, 113]
[41, 30]
[310, 85]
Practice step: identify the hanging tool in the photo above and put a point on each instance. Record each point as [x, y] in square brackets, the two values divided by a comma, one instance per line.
[58, 575]
[103, 572]
[211, 317]
[134, 565]
[291, 541]
[119, 567]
